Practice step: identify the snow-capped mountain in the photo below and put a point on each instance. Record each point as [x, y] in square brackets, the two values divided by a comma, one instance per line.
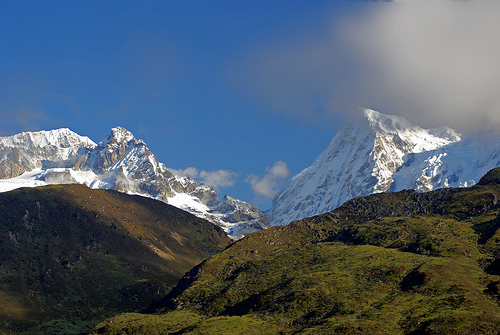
[459, 164]
[378, 153]
[32, 150]
[119, 162]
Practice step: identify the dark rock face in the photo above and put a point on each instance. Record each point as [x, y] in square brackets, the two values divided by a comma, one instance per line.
[59, 177]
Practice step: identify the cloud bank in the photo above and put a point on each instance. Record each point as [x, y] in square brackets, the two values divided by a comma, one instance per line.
[266, 186]
[217, 179]
[435, 63]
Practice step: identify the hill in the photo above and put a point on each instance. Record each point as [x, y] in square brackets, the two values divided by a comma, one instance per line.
[390, 263]
[71, 255]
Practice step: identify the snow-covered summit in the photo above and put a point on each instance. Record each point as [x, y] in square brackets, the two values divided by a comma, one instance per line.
[61, 138]
[412, 135]
[118, 135]
[119, 162]
[27, 151]
[362, 158]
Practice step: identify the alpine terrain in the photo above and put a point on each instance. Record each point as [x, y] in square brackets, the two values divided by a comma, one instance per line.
[72, 256]
[377, 153]
[119, 162]
[400, 263]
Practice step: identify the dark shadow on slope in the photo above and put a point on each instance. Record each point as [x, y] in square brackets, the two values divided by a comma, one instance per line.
[168, 302]
[254, 302]
[412, 280]
[493, 268]
[486, 230]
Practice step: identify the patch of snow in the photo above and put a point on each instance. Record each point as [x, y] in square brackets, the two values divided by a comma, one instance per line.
[27, 179]
[88, 177]
[188, 203]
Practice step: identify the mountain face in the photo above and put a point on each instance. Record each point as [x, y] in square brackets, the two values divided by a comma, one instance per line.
[31, 150]
[119, 162]
[378, 153]
[399, 263]
[456, 165]
[72, 256]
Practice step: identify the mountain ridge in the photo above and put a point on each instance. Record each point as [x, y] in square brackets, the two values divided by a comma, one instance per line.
[388, 263]
[120, 162]
[72, 255]
[376, 153]
[59, 144]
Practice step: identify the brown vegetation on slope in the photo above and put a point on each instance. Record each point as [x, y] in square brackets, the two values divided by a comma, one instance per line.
[71, 255]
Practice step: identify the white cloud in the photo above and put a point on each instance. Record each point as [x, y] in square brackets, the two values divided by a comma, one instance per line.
[266, 186]
[217, 179]
[437, 59]
[188, 172]
[434, 62]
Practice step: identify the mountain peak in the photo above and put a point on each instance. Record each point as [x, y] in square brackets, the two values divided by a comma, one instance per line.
[120, 162]
[395, 124]
[388, 123]
[62, 137]
[118, 135]
[27, 151]
[228, 198]
[360, 159]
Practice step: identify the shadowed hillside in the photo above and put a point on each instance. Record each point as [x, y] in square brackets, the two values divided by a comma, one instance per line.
[71, 256]
[392, 263]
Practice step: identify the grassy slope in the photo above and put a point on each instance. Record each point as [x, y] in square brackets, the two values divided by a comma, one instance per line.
[71, 256]
[396, 263]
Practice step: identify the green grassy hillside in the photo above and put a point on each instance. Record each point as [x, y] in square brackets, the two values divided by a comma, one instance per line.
[394, 263]
[72, 256]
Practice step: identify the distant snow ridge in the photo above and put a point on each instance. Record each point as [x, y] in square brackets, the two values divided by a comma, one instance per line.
[31, 150]
[379, 153]
[119, 162]
[459, 164]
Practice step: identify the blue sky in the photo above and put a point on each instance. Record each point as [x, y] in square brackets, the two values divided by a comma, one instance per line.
[245, 93]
